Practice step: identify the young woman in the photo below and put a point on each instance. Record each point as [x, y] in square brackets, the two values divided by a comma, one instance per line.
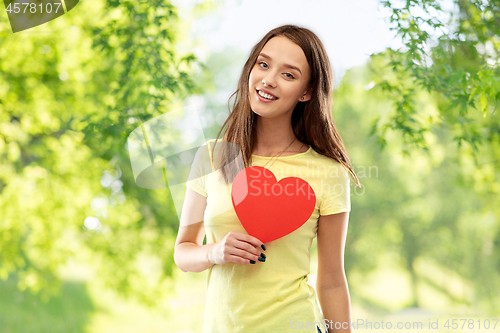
[282, 121]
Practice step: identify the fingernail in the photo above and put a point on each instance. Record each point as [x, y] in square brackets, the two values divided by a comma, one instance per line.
[262, 259]
[263, 247]
[252, 262]
[263, 255]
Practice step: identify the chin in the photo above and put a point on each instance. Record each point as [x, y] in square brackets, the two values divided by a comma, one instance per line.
[256, 112]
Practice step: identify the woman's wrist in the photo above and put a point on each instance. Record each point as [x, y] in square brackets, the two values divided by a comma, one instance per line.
[209, 257]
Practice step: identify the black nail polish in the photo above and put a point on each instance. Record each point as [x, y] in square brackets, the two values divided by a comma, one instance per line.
[263, 247]
[252, 262]
[263, 255]
[262, 259]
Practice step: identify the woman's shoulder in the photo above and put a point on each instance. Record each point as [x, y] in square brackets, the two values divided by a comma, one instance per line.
[212, 142]
[218, 140]
[324, 160]
[332, 165]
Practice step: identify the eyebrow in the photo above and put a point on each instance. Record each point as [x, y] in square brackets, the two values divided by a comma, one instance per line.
[286, 65]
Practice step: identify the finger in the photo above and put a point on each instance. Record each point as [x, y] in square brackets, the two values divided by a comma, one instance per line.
[248, 247]
[252, 240]
[239, 260]
[246, 254]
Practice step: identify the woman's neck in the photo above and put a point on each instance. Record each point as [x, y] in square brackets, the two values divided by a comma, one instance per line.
[273, 136]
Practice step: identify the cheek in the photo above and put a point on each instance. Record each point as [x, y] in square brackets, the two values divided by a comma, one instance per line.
[250, 80]
[298, 92]
[291, 91]
[252, 76]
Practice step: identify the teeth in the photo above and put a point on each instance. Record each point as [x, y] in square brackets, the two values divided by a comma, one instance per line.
[266, 96]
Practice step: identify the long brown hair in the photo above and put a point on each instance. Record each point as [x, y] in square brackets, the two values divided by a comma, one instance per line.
[312, 121]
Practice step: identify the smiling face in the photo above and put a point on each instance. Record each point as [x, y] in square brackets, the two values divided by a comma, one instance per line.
[283, 66]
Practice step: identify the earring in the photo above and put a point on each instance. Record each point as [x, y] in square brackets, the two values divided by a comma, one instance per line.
[302, 98]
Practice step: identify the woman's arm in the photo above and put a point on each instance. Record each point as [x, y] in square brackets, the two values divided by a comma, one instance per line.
[331, 283]
[190, 254]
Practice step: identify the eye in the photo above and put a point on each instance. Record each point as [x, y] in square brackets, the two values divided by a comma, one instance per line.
[290, 77]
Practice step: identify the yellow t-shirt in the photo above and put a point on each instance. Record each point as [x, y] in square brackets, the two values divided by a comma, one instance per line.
[271, 296]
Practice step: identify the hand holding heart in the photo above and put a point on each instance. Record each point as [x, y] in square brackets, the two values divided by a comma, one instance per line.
[268, 209]
[236, 247]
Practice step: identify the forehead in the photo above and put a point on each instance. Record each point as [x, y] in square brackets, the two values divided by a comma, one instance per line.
[283, 50]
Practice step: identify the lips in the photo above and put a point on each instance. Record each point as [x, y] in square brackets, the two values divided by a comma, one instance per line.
[267, 92]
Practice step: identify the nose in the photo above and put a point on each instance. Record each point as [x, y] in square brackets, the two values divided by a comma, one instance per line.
[269, 80]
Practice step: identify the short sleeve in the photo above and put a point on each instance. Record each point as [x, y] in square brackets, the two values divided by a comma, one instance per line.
[336, 192]
[200, 169]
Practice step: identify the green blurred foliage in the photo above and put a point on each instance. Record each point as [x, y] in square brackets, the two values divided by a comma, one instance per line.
[417, 207]
[457, 63]
[68, 100]
[66, 312]
[458, 60]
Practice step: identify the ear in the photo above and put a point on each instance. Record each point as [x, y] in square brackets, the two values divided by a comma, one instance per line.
[307, 95]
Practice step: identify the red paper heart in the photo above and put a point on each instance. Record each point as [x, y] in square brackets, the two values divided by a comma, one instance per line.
[268, 209]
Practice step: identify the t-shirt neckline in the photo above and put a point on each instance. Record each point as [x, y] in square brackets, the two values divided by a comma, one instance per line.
[283, 157]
